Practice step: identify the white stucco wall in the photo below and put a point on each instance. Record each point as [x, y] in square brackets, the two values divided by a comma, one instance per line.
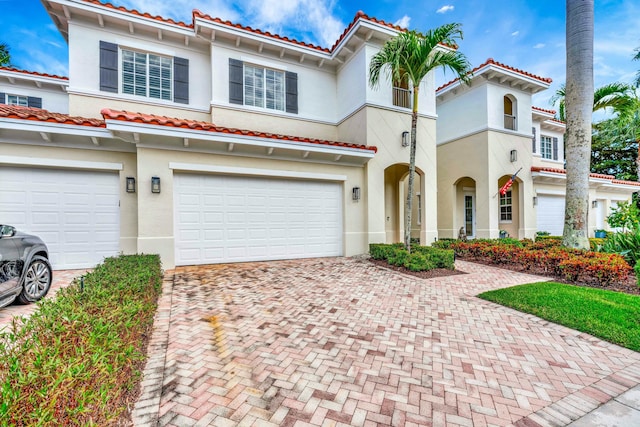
[84, 68]
[54, 100]
[495, 107]
[316, 86]
[463, 114]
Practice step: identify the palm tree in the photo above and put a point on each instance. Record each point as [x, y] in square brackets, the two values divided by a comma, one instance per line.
[409, 57]
[613, 95]
[637, 58]
[578, 109]
[5, 56]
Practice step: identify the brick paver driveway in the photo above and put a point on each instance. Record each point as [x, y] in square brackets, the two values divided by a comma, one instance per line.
[340, 341]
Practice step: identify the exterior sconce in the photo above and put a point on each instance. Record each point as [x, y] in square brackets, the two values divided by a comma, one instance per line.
[513, 156]
[405, 139]
[535, 200]
[155, 184]
[131, 184]
[594, 204]
[355, 193]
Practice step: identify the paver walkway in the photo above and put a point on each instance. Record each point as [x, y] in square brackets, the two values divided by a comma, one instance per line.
[339, 341]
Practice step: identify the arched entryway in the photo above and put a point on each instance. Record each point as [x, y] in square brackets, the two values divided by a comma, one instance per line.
[396, 185]
[465, 207]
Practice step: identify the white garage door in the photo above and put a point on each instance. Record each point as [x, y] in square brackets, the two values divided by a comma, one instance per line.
[233, 219]
[76, 213]
[550, 212]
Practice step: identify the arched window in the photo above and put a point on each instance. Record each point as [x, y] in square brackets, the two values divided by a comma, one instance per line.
[510, 116]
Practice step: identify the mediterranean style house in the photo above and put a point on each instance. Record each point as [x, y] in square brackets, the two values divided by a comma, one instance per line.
[211, 142]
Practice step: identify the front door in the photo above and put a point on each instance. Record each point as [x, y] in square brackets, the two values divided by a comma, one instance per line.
[469, 215]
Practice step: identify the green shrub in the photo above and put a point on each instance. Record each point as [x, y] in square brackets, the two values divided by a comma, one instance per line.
[636, 270]
[440, 258]
[419, 262]
[77, 359]
[443, 243]
[625, 244]
[380, 250]
[399, 257]
[625, 215]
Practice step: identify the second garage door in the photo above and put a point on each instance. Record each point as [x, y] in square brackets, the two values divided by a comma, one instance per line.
[233, 219]
[550, 213]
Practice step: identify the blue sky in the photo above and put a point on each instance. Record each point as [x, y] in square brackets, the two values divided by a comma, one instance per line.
[524, 34]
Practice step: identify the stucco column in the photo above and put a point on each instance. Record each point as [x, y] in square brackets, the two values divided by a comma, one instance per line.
[374, 198]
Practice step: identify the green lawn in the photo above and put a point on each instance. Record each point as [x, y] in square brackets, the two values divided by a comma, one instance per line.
[612, 316]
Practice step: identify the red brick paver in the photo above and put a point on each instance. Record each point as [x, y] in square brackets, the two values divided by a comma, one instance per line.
[340, 341]
[61, 279]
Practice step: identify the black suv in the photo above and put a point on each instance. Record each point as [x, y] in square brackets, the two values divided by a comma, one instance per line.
[25, 272]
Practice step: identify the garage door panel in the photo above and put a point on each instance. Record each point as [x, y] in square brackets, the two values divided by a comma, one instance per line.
[76, 213]
[550, 214]
[250, 218]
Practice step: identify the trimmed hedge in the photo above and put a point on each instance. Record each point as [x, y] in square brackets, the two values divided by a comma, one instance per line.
[422, 258]
[77, 360]
[547, 257]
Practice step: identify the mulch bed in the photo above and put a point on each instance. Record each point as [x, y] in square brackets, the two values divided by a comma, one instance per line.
[430, 274]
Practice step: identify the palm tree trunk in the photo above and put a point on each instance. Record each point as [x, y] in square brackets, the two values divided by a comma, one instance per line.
[578, 110]
[412, 170]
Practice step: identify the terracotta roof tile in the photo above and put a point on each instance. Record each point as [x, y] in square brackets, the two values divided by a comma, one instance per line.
[592, 175]
[198, 14]
[490, 61]
[140, 14]
[39, 115]
[552, 112]
[34, 73]
[152, 119]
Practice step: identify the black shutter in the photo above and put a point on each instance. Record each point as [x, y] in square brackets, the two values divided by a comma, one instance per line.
[236, 74]
[108, 67]
[2, 98]
[181, 80]
[533, 140]
[34, 102]
[292, 92]
[555, 148]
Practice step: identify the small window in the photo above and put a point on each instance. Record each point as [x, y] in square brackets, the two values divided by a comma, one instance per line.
[506, 207]
[510, 119]
[145, 74]
[546, 147]
[264, 87]
[419, 200]
[22, 101]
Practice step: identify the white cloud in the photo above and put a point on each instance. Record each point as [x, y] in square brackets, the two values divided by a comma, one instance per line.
[515, 33]
[539, 46]
[445, 9]
[403, 22]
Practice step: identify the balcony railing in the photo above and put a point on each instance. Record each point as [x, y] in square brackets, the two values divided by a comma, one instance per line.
[402, 97]
[510, 122]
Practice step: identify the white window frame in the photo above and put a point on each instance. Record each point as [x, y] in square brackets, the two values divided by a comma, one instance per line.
[270, 93]
[19, 100]
[148, 89]
[419, 200]
[546, 147]
[506, 208]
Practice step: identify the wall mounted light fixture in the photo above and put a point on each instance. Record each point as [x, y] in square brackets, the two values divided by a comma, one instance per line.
[131, 184]
[535, 200]
[594, 204]
[355, 193]
[405, 139]
[513, 156]
[155, 184]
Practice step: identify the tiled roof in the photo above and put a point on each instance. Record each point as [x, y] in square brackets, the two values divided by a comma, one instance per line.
[140, 14]
[490, 61]
[552, 112]
[592, 175]
[152, 119]
[198, 14]
[33, 73]
[39, 115]
[361, 15]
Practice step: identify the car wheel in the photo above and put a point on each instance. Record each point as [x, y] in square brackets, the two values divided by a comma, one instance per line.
[37, 280]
